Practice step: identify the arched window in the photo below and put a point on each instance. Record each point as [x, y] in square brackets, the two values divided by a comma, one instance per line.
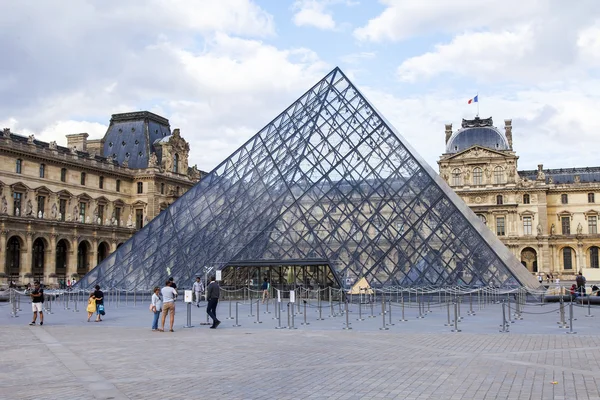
[82, 258]
[567, 258]
[13, 257]
[61, 258]
[456, 177]
[176, 163]
[477, 176]
[526, 199]
[594, 261]
[499, 200]
[498, 175]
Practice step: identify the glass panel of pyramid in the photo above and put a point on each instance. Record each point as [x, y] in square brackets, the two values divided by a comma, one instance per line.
[328, 181]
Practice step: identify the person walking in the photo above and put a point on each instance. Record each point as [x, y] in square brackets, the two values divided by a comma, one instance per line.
[156, 307]
[37, 302]
[99, 296]
[580, 280]
[213, 292]
[265, 290]
[168, 297]
[91, 307]
[198, 290]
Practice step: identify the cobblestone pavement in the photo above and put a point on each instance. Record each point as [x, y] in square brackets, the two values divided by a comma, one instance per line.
[120, 358]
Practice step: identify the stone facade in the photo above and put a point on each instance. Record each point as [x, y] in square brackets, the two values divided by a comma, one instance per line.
[547, 218]
[65, 209]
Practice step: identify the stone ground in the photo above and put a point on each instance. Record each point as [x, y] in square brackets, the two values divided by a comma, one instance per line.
[120, 358]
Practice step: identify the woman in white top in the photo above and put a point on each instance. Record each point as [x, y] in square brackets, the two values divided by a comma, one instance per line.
[156, 307]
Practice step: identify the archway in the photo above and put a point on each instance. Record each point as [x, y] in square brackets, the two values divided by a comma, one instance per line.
[14, 247]
[594, 252]
[62, 249]
[103, 250]
[529, 259]
[38, 259]
[83, 258]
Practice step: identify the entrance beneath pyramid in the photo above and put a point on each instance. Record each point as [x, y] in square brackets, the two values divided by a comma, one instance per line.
[284, 277]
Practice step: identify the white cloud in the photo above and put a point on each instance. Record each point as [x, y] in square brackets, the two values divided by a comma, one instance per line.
[356, 58]
[313, 13]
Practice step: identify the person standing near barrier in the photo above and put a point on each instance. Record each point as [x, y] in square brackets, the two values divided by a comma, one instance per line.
[580, 280]
[99, 296]
[198, 290]
[168, 296]
[213, 292]
[91, 307]
[37, 302]
[156, 308]
[265, 290]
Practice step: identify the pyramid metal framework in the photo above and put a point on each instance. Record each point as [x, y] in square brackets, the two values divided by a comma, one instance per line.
[328, 181]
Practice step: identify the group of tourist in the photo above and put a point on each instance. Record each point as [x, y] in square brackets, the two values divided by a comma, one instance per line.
[163, 301]
[96, 304]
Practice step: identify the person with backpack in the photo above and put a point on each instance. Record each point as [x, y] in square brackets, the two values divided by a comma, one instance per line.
[99, 296]
[580, 280]
[37, 302]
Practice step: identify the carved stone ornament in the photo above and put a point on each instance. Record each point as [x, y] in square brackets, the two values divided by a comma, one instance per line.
[552, 229]
[539, 229]
[52, 145]
[74, 150]
[550, 179]
[579, 229]
[6, 132]
[577, 179]
[30, 139]
[4, 205]
[152, 160]
[126, 164]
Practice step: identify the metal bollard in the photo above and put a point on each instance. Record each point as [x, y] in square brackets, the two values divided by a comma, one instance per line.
[13, 300]
[305, 323]
[134, 298]
[459, 301]
[189, 316]
[278, 317]
[562, 323]
[267, 307]
[372, 314]
[291, 326]
[402, 305]
[236, 314]
[360, 318]
[589, 314]
[230, 317]
[448, 309]
[456, 317]
[251, 314]
[258, 321]
[509, 311]
[390, 313]
[504, 325]
[421, 316]
[383, 327]
[320, 311]
[571, 319]
[471, 312]
[67, 301]
[75, 308]
[347, 327]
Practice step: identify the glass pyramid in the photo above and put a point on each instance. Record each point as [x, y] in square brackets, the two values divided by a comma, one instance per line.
[329, 182]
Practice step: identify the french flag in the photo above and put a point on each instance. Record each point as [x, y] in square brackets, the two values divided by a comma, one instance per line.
[474, 100]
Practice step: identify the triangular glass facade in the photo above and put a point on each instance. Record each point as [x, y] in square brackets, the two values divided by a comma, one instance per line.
[328, 181]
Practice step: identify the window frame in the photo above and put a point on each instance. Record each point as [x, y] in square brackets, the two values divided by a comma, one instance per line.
[176, 163]
[566, 250]
[592, 224]
[477, 176]
[564, 198]
[42, 170]
[118, 185]
[527, 225]
[17, 203]
[526, 199]
[101, 182]
[140, 187]
[18, 166]
[456, 177]
[565, 225]
[498, 175]
[594, 258]
[83, 177]
[63, 174]
[501, 232]
[499, 200]
[591, 198]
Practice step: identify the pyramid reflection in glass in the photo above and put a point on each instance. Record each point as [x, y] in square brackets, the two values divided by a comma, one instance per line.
[329, 181]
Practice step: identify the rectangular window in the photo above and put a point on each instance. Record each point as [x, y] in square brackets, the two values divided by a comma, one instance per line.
[500, 226]
[17, 210]
[592, 224]
[18, 166]
[118, 215]
[118, 185]
[526, 199]
[63, 175]
[162, 188]
[591, 198]
[477, 176]
[140, 187]
[527, 225]
[82, 212]
[594, 257]
[83, 178]
[566, 225]
[564, 199]
[41, 204]
[567, 258]
[139, 218]
[62, 209]
[101, 182]
[42, 170]
[101, 213]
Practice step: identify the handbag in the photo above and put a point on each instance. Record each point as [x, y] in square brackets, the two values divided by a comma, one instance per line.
[101, 309]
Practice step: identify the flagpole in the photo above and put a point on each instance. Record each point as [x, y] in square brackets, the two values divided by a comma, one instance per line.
[478, 103]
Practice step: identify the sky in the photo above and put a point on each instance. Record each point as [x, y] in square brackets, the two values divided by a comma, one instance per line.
[221, 70]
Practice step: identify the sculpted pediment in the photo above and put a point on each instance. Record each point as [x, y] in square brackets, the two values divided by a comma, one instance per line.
[477, 152]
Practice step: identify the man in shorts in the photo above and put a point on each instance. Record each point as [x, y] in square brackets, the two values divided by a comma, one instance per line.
[37, 302]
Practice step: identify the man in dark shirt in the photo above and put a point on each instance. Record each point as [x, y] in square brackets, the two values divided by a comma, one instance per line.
[99, 296]
[213, 292]
[37, 302]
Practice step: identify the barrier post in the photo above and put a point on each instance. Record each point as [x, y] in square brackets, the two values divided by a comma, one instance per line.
[504, 325]
[421, 316]
[471, 312]
[456, 317]
[230, 317]
[402, 305]
[13, 301]
[360, 318]
[320, 308]
[458, 301]
[291, 326]
[305, 323]
[562, 323]
[237, 303]
[372, 301]
[67, 300]
[347, 327]
[134, 297]
[509, 312]
[267, 307]
[251, 308]
[448, 309]
[75, 308]
[189, 315]
[331, 310]
[383, 327]
[589, 314]
[390, 313]
[571, 319]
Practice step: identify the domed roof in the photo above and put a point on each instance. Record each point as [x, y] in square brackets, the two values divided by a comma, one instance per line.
[480, 132]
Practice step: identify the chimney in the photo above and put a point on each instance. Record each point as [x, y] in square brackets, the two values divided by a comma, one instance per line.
[78, 140]
[448, 132]
[508, 132]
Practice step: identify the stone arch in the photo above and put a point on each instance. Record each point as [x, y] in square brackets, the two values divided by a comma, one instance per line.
[529, 259]
[63, 250]
[15, 254]
[40, 251]
[84, 253]
[593, 255]
[564, 258]
[103, 251]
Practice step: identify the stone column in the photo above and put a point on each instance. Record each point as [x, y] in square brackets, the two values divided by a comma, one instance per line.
[580, 257]
[27, 259]
[72, 263]
[51, 264]
[113, 245]
[3, 234]
[93, 254]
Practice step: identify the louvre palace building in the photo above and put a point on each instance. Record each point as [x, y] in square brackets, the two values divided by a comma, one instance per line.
[548, 218]
[65, 209]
